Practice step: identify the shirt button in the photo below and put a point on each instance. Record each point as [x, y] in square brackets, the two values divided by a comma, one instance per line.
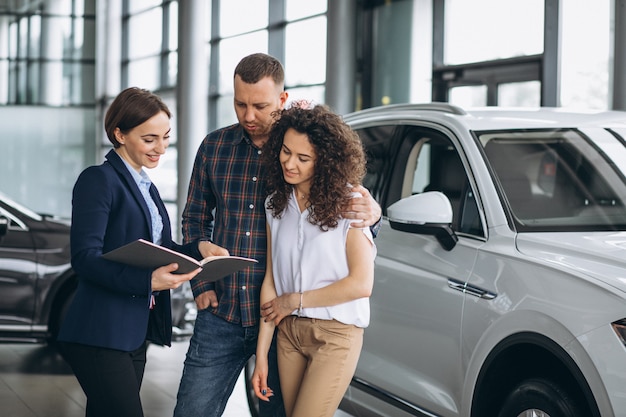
[254, 179]
[259, 152]
[247, 233]
[244, 287]
[251, 206]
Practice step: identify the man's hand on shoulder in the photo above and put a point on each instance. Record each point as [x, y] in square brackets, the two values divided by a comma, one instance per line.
[364, 209]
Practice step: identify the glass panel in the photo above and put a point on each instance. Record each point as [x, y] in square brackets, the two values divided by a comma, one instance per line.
[60, 7]
[164, 176]
[232, 50]
[172, 69]
[88, 7]
[4, 81]
[12, 93]
[240, 16]
[22, 86]
[482, 30]
[81, 83]
[172, 212]
[53, 83]
[585, 57]
[56, 33]
[172, 43]
[53, 140]
[144, 73]
[23, 40]
[33, 83]
[225, 111]
[305, 65]
[314, 94]
[145, 32]
[296, 9]
[85, 43]
[391, 56]
[522, 94]
[35, 35]
[138, 5]
[468, 96]
[13, 40]
[558, 178]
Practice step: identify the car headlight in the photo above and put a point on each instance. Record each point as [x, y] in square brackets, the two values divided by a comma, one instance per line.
[619, 327]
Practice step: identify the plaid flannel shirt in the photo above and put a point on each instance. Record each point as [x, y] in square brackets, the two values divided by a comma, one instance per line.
[225, 203]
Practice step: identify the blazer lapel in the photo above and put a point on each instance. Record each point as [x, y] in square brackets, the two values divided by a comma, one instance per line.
[116, 162]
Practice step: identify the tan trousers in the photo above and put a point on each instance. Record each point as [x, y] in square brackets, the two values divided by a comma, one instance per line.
[316, 362]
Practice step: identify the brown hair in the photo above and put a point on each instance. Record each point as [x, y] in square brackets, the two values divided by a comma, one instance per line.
[255, 67]
[132, 107]
[339, 163]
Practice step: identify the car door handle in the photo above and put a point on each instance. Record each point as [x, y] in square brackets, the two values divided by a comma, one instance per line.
[471, 289]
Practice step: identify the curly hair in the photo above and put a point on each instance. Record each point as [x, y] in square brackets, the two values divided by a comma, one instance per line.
[339, 163]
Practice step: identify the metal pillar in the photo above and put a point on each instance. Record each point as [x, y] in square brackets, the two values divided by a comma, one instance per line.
[551, 77]
[341, 56]
[192, 87]
[618, 88]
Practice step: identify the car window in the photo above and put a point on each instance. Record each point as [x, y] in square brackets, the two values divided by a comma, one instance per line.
[406, 160]
[14, 222]
[556, 179]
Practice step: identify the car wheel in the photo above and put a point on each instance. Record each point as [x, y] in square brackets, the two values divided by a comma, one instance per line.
[253, 400]
[538, 397]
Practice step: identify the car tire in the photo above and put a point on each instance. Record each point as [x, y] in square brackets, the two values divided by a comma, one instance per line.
[253, 400]
[541, 398]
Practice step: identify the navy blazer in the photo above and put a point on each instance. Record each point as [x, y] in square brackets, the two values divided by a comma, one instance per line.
[111, 305]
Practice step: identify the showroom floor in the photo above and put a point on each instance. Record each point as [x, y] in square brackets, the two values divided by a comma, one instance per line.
[36, 382]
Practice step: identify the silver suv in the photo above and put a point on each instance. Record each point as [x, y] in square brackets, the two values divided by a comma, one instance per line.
[501, 269]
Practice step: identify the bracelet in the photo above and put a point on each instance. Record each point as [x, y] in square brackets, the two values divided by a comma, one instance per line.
[300, 306]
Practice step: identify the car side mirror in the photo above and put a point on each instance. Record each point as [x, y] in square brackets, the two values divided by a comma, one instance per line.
[428, 213]
[4, 226]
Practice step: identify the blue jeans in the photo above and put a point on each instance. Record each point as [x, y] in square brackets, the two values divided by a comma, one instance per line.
[218, 352]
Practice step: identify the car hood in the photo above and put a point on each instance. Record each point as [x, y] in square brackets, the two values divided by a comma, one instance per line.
[600, 255]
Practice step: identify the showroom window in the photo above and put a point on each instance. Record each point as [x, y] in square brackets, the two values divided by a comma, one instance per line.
[150, 44]
[47, 54]
[501, 61]
[279, 28]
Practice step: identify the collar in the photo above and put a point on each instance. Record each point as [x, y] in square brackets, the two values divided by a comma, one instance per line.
[240, 135]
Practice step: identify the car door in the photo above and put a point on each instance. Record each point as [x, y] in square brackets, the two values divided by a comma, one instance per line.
[411, 356]
[18, 275]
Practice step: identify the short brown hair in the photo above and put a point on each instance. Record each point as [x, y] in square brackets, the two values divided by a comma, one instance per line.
[255, 67]
[132, 107]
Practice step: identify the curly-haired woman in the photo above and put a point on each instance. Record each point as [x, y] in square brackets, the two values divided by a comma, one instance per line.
[317, 285]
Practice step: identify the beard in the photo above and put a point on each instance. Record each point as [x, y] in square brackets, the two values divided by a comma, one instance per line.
[260, 133]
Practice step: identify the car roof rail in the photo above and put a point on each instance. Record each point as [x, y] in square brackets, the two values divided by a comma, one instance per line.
[434, 106]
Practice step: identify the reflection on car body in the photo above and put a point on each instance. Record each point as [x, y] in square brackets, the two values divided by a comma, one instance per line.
[500, 276]
[37, 281]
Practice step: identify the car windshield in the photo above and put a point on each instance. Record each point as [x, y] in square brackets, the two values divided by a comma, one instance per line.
[562, 179]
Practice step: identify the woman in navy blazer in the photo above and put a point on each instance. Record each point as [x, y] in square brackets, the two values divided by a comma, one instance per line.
[117, 308]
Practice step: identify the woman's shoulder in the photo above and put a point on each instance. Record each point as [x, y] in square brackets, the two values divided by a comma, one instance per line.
[100, 177]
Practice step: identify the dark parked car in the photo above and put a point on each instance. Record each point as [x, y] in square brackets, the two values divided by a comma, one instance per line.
[37, 281]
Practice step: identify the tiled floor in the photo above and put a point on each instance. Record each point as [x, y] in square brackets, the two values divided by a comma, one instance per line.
[36, 382]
